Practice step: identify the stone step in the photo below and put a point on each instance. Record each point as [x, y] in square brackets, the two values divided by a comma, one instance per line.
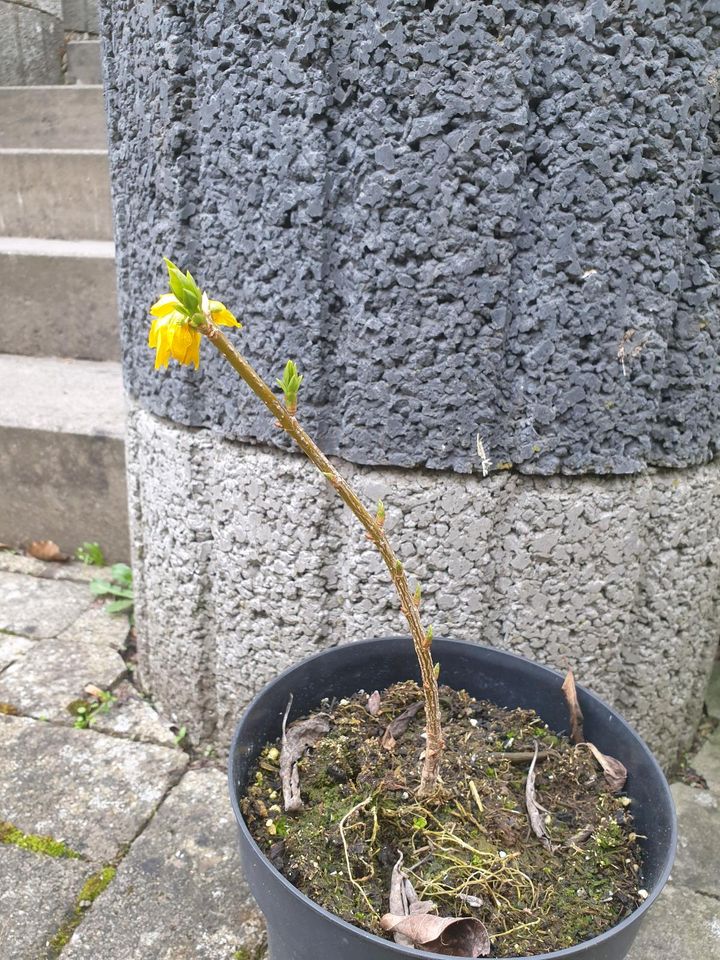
[36, 275]
[80, 15]
[55, 194]
[83, 62]
[52, 118]
[62, 472]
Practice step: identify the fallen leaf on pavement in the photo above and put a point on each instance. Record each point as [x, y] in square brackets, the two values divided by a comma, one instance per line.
[47, 550]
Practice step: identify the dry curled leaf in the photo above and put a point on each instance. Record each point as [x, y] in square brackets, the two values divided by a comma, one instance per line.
[576, 717]
[615, 772]
[404, 902]
[295, 741]
[373, 704]
[47, 550]
[449, 936]
[534, 809]
[399, 725]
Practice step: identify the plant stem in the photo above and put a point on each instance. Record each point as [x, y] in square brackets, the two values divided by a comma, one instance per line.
[434, 743]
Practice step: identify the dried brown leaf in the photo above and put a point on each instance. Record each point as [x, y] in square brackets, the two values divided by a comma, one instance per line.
[576, 717]
[534, 809]
[615, 772]
[396, 728]
[373, 704]
[448, 936]
[47, 550]
[404, 901]
[299, 738]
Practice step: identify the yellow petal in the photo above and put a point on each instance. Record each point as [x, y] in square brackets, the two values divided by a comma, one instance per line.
[168, 303]
[221, 315]
[185, 345]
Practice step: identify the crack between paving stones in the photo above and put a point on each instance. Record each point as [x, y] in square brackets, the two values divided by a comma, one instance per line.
[117, 860]
[706, 893]
[62, 725]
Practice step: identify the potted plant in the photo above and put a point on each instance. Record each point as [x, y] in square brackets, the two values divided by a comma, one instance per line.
[382, 785]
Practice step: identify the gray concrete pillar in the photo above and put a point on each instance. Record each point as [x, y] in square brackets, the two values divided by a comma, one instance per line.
[496, 219]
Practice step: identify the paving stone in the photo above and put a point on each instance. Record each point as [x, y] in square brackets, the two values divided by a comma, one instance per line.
[99, 627]
[707, 763]
[38, 608]
[93, 791]
[179, 893]
[12, 648]
[36, 894]
[131, 716]
[56, 672]
[682, 925]
[11, 562]
[712, 695]
[698, 855]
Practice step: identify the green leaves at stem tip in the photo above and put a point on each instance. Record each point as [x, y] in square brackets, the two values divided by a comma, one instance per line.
[290, 384]
[184, 287]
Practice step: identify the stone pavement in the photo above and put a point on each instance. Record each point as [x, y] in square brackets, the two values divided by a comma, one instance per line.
[117, 844]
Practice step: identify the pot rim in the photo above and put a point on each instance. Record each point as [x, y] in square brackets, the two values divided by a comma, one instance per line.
[630, 920]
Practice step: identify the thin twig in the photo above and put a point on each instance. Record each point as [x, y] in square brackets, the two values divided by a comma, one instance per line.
[421, 639]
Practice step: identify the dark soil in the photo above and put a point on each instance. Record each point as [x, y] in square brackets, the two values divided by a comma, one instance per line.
[472, 839]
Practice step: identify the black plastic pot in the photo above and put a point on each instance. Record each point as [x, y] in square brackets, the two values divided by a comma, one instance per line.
[299, 929]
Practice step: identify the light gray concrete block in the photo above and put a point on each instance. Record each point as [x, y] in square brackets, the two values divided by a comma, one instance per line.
[179, 893]
[31, 42]
[617, 576]
[52, 118]
[56, 194]
[83, 64]
[36, 608]
[62, 475]
[38, 274]
[37, 894]
[80, 15]
[93, 791]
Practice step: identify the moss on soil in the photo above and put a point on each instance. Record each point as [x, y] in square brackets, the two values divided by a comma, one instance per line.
[471, 839]
[37, 843]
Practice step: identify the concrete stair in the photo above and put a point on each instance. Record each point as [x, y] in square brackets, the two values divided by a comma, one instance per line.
[52, 118]
[37, 275]
[62, 470]
[83, 62]
[62, 467]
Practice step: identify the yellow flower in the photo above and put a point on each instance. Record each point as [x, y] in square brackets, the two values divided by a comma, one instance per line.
[174, 334]
[174, 338]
